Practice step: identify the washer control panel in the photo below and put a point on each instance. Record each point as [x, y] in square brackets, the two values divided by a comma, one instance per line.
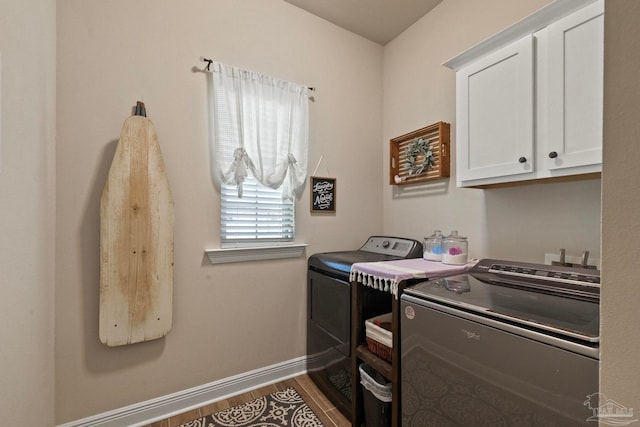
[393, 246]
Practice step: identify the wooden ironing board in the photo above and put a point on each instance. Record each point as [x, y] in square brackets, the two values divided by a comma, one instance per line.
[136, 240]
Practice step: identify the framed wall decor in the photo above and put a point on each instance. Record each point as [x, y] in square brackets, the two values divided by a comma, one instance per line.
[421, 155]
[323, 194]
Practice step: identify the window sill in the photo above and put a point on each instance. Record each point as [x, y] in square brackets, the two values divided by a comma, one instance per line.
[225, 255]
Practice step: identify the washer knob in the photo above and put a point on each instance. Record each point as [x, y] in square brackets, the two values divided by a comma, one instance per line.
[385, 244]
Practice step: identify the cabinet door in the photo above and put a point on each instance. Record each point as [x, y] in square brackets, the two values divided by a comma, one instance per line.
[495, 114]
[574, 90]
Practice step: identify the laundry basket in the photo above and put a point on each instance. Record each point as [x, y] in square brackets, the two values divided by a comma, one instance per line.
[376, 390]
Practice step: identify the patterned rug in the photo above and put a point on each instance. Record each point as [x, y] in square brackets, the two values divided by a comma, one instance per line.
[284, 408]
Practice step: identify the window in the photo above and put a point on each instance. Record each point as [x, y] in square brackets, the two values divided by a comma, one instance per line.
[259, 149]
[260, 215]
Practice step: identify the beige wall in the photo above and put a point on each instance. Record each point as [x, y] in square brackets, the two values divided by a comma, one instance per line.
[27, 194]
[228, 319]
[419, 91]
[619, 379]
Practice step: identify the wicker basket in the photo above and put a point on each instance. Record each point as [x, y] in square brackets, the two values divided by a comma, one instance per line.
[379, 339]
[379, 349]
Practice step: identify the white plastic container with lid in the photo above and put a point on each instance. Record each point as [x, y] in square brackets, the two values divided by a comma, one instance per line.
[455, 249]
[433, 246]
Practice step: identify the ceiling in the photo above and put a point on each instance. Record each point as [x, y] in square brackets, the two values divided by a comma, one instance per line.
[377, 20]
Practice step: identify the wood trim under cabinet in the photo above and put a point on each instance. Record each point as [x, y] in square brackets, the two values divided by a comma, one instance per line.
[568, 178]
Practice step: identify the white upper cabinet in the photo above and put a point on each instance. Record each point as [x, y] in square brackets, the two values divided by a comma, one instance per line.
[573, 95]
[494, 104]
[529, 100]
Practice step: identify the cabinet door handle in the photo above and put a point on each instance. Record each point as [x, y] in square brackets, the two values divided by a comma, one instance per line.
[522, 160]
[553, 155]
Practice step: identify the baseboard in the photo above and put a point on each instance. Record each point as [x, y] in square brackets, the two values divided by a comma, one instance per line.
[143, 413]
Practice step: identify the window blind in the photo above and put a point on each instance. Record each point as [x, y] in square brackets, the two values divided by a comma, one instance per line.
[261, 215]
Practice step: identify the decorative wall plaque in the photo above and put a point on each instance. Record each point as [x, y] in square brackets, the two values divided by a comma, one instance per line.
[323, 194]
[422, 155]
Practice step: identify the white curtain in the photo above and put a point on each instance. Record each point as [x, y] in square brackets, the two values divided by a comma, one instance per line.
[260, 126]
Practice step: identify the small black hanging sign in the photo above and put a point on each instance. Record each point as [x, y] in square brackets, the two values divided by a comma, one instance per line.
[323, 194]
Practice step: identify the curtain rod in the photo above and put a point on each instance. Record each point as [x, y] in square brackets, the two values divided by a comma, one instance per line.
[210, 61]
